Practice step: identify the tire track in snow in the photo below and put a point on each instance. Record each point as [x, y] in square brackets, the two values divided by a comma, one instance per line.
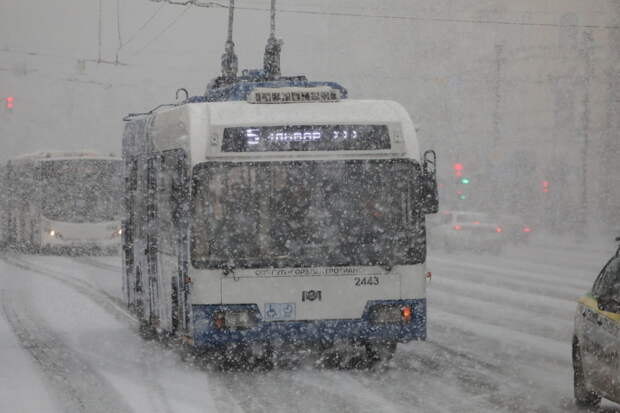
[548, 348]
[77, 386]
[535, 302]
[98, 264]
[442, 379]
[340, 383]
[279, 391]
[222, 395]
[109, 303]
[575, 260]
[112, 306]
[526, 280]
[521, 319]
[483, 386]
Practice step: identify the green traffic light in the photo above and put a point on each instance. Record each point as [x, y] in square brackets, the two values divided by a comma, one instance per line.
[462, 197]
[465, 181]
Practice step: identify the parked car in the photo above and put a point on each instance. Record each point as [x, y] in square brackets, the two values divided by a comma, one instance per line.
[596, 342]
[465, 230]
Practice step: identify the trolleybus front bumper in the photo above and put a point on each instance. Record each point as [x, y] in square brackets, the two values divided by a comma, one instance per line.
[322, 332]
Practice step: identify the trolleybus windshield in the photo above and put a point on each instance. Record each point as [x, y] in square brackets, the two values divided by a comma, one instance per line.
[85, 190]
[310, 213]
[306, 138]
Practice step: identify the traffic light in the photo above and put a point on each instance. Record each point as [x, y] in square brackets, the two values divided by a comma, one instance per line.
[465, 181]
[545, 186]
[10, 101]
[458, 169]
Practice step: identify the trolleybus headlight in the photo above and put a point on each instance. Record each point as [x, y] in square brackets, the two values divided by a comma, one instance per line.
[406, 314]
[235, 319]
[219, 320]
[382, 314]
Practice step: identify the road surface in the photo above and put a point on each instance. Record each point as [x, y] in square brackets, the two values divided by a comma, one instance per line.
[500, 330]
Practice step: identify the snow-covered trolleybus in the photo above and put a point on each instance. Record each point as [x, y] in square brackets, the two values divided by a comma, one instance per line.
[64, 202]
[277, 214]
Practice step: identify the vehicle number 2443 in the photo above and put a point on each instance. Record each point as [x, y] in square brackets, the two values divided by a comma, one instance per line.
[359, 281]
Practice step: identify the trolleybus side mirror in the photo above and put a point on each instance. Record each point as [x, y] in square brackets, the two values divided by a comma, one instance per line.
[428, 181]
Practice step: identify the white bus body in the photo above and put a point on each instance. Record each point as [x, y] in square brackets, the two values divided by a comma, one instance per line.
[258, 223]
[64, 202]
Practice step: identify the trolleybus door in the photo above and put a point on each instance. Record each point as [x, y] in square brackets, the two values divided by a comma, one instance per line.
[128, 228]
[152, 240]
[172, 202]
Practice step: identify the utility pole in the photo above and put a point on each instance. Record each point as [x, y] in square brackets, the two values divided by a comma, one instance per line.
[100, 30]
[118, 30]
[493, 166]
[609, 199]
[582, 224]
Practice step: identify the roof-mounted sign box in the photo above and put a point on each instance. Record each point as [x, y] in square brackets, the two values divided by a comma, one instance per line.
[293, 95]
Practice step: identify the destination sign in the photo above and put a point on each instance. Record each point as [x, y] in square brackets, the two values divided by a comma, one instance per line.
[306, 138]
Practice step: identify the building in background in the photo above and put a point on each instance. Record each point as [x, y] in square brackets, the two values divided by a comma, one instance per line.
[520, 93]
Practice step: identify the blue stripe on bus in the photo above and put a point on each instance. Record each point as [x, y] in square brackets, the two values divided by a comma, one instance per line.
[206, 335]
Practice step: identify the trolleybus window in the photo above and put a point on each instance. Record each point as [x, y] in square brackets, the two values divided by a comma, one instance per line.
[311, 213]
[87, 190]
[306, 138]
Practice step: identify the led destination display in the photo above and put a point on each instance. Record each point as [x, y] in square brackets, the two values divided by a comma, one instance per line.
[306, 138]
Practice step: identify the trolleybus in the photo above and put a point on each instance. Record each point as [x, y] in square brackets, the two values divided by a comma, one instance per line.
[280, 212]
[274, 211]
[64, 202]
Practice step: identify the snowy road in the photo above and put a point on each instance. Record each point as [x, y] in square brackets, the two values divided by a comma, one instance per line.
[499, 340]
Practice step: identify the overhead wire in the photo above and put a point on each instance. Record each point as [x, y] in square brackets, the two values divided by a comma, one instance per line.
[118, 29]
[198, 3]
[100, 34]
[144, 25]
[192, 3]
[118, 23]
[161, 33]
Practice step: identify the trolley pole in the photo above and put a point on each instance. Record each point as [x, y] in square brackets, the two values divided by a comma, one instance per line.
[229, 58]
[271, 61]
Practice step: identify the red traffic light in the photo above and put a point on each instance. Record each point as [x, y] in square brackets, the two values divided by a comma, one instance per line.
[458, 169]
[545, 185]
[9, 102]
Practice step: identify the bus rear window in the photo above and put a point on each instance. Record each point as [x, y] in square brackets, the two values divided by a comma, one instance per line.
[306, 138]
